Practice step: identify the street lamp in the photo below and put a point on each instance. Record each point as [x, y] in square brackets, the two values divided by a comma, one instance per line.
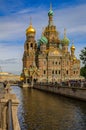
[47, 64]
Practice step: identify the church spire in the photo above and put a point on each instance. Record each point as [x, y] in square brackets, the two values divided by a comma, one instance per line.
[50, 6]
[64, 32]
[30, 29]
[50, 14]
[30, 20]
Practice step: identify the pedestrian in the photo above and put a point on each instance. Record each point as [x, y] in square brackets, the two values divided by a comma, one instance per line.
[5, 83]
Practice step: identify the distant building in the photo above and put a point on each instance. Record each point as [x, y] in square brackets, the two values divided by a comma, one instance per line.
[9, 77]
[49, 60]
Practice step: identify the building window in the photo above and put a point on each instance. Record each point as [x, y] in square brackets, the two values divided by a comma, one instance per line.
[59, 71]
[31, 45]
[74, 72]
[44, 71]
[56, 71]
[56, 62]
[52, 71]
[67, 71]
[59, 63]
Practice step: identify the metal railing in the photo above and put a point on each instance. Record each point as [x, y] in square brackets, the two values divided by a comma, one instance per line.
[9, 116]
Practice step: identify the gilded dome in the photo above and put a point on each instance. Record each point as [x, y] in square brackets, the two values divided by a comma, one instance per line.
[30, 29]
[74, 58]
[73, 47]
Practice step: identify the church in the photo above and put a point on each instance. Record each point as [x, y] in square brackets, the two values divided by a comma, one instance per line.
[49, 59]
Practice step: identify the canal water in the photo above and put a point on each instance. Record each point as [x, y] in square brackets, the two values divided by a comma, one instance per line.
[40, 110]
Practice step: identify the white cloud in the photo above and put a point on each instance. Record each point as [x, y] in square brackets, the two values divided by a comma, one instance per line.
[12, 29]
[11, 58]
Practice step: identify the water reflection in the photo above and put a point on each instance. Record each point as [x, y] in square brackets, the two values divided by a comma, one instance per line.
[45, 111]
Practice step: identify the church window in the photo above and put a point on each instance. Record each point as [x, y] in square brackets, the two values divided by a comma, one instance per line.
[59, 71]
[31, 45]
[44, 71]
[74, 72]
[59, 63]
[56, 71]
[56, 62]
[67, 71]
[52, 71]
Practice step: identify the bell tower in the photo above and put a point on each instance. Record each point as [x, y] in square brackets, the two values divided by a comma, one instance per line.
[29, 48]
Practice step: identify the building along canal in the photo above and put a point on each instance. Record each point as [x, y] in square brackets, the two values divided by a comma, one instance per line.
[40, 110]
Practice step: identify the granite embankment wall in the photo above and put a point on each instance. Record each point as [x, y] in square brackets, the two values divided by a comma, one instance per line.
[73, 92]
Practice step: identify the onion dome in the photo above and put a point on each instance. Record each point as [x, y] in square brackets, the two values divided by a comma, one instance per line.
[43, 40]
[74, 58]
[65, 40]
[30, 29]
[21, 78]
[73, 47]
[50, 13]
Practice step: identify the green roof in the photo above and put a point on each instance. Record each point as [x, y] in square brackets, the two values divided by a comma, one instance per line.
[50, 12]
[65, 41]
[43, 40]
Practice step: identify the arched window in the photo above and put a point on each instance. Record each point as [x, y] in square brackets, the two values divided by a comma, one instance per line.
[59, 72]
[56, 71]
[52, 71]
[31, 45]
[67, 71]
[44, 71]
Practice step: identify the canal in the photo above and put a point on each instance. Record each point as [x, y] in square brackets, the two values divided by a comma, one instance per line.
[46, 111]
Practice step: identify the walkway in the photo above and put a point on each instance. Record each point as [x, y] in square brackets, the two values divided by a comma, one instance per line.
[8, 109]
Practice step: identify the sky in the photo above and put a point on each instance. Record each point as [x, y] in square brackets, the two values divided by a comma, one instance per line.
[15, 19]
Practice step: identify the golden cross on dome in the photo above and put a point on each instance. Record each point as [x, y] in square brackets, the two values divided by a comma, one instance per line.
[72, 42]
[50, 6]
[30, 20]
[64, 32]
[42, 31]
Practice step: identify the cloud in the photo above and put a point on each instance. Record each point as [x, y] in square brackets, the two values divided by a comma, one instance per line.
[8, 61]
[11, 58]
[14, 26]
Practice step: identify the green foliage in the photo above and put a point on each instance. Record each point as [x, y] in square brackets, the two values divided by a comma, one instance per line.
[83, 56]
[83, 72]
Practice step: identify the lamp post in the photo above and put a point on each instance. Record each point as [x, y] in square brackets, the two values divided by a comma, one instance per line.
[47, 65]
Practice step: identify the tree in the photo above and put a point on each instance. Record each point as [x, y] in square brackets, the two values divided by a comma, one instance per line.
[83, 56]
[83, 59]
[83, 72]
